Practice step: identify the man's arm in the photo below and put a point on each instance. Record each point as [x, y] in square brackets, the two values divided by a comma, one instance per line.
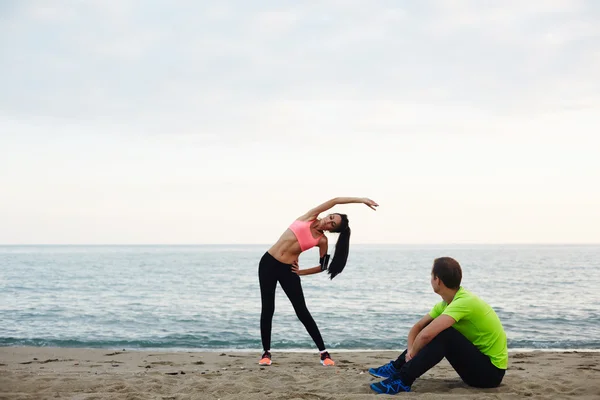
[414, 331]
[427, 334]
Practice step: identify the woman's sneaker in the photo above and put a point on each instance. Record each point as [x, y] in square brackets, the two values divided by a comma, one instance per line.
[326, 360]
[265, 359]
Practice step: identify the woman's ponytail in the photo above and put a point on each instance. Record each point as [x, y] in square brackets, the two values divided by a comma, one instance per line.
[342, 248]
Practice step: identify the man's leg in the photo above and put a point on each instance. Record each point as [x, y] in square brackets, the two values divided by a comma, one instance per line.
[400, 361]
[390, 369]
[474, 367]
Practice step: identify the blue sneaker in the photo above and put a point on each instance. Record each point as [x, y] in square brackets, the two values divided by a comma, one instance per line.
[385, 371]
[390, 386]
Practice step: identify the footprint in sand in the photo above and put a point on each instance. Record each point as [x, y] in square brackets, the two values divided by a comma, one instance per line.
[46, 361]
[175, 373]
[589, 367]
[169, 363]
[522, 355]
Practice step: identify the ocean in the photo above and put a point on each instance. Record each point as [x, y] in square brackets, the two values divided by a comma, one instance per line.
[206, 297]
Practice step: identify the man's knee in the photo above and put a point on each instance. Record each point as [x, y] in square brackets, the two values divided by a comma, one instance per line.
[446, 333]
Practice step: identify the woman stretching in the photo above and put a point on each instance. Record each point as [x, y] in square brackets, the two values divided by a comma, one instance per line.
[280, 264]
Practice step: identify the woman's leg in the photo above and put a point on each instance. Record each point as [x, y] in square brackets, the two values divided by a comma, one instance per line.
[267, 277]
[290, 283]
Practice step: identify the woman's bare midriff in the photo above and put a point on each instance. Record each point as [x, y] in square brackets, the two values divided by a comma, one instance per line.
[287, 249]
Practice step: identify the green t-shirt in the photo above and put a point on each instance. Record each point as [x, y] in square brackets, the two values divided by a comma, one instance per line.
[478, 322]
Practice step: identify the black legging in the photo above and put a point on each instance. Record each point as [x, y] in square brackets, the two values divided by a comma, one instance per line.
[474, 367]
[270, 271]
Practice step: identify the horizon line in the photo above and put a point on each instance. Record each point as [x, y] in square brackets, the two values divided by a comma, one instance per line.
[360, 244]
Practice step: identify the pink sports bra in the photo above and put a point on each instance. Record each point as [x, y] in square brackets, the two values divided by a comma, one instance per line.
[302, 231]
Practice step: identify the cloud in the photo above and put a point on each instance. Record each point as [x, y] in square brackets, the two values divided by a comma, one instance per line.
[224, 69]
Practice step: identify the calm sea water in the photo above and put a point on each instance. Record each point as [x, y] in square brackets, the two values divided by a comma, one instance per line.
[207, 297]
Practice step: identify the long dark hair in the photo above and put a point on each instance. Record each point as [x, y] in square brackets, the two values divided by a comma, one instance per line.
[342, 247]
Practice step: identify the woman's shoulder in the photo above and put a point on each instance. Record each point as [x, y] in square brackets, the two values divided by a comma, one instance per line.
[305, 218]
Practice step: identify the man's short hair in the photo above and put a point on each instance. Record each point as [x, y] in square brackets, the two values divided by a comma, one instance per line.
[448, 270]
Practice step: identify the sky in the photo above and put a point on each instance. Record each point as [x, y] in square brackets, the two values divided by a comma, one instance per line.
[146, 122]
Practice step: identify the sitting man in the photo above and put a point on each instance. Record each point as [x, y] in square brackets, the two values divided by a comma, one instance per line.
[463, 328]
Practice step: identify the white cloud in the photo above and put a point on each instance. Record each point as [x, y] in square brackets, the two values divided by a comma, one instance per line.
[122, 98]
[274, 22]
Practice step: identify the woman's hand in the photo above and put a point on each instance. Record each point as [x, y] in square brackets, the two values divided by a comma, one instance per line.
[370, 203]
[314, 213]
[296, 267]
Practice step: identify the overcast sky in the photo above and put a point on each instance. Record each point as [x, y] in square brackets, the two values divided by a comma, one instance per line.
[222, 121]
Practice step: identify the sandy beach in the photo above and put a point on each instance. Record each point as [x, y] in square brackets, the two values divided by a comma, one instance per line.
[64, 373]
